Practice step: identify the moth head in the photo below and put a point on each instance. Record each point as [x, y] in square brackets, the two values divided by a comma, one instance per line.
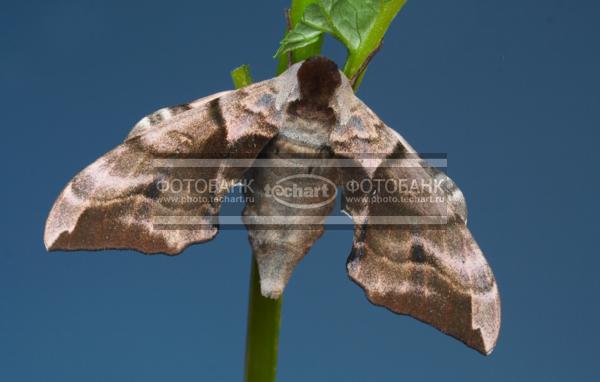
[318, 78]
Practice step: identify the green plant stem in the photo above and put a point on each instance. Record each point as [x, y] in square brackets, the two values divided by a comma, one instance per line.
[372, 40]
[264, 314]
[262, 338]
[241, 76]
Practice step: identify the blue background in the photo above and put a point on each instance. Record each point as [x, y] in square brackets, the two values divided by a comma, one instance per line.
[509, 89]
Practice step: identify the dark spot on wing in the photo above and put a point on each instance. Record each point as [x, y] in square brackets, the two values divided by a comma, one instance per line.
[152, 191]
[179, 108]
[399, 152]
[417, 253]
[155, 118]
[265, 100]
[325, 151]
[356, 122]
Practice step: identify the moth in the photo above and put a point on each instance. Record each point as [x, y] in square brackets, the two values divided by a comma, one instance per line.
[435, 273]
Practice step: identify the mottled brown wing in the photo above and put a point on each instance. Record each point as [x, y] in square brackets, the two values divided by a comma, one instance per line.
[412, 251]
[137, 197]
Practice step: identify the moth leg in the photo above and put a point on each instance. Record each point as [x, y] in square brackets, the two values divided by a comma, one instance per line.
[363, 67]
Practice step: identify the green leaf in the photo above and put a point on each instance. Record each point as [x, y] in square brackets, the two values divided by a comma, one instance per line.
[372, 39]
[299, 37]
[296, 12]
[316, 17]
[347, 20]
[359, 24]
[353, 19]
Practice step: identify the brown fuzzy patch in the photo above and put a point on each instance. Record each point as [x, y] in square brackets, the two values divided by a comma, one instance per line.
[318, 77]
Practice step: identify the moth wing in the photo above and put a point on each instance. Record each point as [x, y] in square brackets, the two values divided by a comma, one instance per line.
[402, 257]
[115, 202]
[162, 115]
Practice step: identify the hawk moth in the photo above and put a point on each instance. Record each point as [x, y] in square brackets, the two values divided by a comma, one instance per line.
[436, 274]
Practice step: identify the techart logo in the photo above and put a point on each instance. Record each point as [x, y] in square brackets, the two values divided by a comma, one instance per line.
[303, 191]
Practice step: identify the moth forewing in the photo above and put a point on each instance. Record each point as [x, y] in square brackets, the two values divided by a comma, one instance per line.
[115, 202]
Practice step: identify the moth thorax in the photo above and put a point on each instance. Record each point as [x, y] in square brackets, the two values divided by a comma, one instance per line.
[318, 77]
[307, 132]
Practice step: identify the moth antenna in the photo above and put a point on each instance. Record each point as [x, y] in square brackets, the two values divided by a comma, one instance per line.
[364, 65]
[288, 21]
